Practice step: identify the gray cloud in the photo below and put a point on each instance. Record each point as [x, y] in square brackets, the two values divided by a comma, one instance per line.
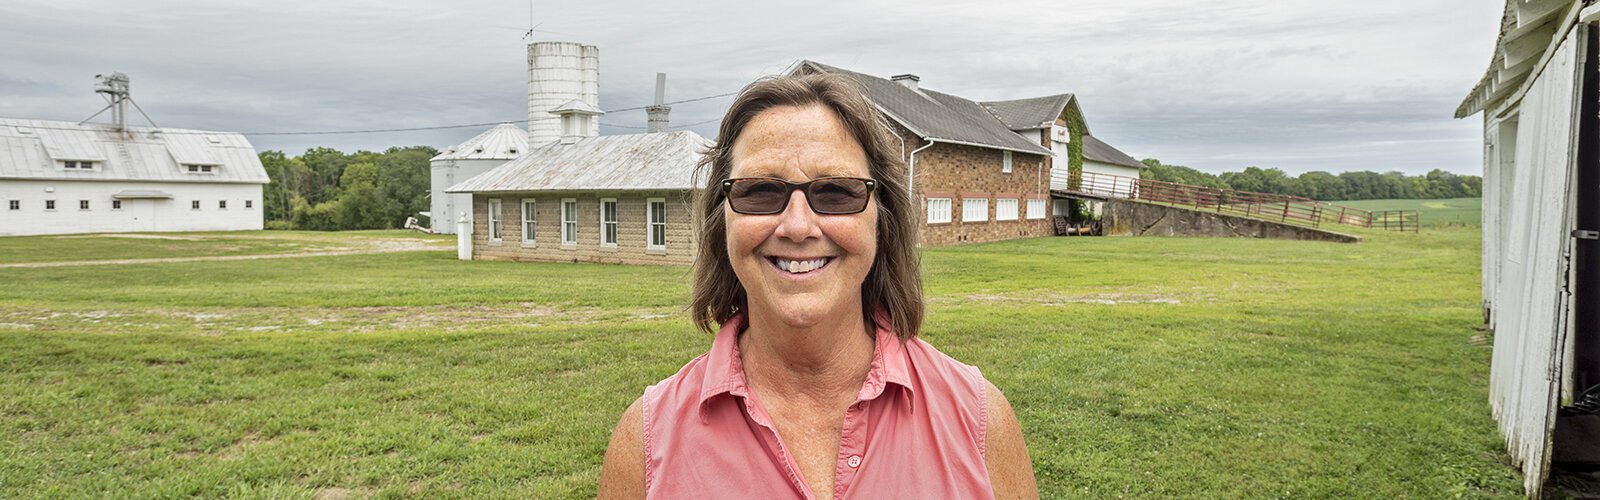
[1223, 84]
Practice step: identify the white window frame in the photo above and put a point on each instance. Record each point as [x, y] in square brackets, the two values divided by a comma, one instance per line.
[1038, 208]
[116, 204]
[650, 224]
[939, 210]
[15, 205]
[194, 204]
[83, 205]
[200, 169]
[77, 165]
[1007, 211]
[569, 222]
[222, 204]
[530, 220]
[1005, 162]
[249, 204]
[495, 220]
[971, 206]
[612, 223]
[49, 205]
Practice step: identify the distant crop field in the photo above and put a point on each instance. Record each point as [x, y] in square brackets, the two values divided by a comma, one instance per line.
[1462, 212]
[1139, 367]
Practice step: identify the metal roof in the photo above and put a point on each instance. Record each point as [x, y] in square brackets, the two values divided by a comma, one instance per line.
[632, 162]
[32, 149]
[576, 106]
[503, 142]
[1529, 29]
[933, 115]
[1097, 150]
[1033, 112]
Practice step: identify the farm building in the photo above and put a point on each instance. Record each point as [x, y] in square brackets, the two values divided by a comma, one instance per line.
[65, 177]
[984, 171]
[613, 199]
[481, 153]
[1540, 221]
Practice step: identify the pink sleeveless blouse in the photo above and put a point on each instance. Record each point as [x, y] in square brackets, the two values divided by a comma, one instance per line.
[916, 430]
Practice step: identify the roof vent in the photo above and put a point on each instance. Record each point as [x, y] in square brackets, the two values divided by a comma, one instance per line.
[910, 81]
[512, 151]
[478, 150]
[24, 130]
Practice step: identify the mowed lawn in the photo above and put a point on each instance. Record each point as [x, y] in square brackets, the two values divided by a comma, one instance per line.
[1140, 367]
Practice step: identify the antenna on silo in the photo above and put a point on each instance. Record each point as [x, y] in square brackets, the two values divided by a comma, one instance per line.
[115, 90]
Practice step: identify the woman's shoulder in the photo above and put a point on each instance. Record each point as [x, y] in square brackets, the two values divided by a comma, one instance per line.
[934, 366]
[680, 386]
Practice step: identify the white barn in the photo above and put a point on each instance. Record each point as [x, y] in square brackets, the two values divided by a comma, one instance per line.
[482, 153]
[63, 177]
[1541, 225]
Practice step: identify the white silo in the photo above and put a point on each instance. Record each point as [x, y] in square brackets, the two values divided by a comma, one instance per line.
[559, 72]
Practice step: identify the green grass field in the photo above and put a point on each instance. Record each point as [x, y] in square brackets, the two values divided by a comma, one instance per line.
[89, 247]
[1453, 212]
[1140, 367]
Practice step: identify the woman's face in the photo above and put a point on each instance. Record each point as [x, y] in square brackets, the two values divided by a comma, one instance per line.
[799, 144]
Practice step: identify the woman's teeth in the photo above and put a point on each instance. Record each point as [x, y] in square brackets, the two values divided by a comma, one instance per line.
[801, 266]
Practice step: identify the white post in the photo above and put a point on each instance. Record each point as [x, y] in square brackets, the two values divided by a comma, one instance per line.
[463, 238]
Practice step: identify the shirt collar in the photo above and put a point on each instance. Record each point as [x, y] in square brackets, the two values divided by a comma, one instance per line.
[725, 372]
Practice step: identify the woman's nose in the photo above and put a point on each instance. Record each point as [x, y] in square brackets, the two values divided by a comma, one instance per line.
[798, 222]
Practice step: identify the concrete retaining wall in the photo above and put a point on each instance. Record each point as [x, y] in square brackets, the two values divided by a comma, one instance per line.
[1131, 218]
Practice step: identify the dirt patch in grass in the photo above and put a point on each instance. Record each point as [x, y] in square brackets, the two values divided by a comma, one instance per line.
[347, 319]
[1049, 299]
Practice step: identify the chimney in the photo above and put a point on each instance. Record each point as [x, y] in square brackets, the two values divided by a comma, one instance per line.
[909, 80]
[658, 112]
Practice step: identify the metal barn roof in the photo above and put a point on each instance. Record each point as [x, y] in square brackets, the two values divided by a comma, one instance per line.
[1096, 150]
[632, 162]
[503, 142]
[34, 149]
[935, 115]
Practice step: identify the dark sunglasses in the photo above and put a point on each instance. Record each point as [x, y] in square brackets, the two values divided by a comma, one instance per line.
[826, 195]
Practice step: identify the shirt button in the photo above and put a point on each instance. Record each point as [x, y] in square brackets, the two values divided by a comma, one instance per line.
[854, 461]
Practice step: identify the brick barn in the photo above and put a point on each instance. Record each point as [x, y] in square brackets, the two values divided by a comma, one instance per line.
[620, 199]
[983, 171]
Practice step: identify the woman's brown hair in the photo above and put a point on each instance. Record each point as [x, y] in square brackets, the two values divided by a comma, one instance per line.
[894, 284]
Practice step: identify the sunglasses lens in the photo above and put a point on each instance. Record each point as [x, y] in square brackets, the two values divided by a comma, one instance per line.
[838, 196]
[758, 196]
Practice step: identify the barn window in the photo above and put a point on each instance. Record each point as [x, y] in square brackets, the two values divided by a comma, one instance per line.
[83, 204]
[194, 204]
[530, 220]
[656, 212]
[608, 222]
[975, 210]
[1036, 208]
[248, 204]
[16, 204]
[1005, 162]
[494, 219]
[1005, 209]
[49, 204]
[938, 210]
[222, 204]
[116, 204]
[569, 221]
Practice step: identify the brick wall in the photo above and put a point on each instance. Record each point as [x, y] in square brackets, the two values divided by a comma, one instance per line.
[547, 246]
[959, 172]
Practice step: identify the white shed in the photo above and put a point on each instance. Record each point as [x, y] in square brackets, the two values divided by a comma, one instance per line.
[457, 164]
[64, 177]
[1541, 211]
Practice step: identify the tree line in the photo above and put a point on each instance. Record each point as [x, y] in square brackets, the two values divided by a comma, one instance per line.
[326, 189]
[1318, 185]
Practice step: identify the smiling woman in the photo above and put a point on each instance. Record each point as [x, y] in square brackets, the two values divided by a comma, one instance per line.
[816, 385]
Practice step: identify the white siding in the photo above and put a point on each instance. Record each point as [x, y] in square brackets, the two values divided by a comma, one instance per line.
[445, 208]
[1532, 312]
[172, 214]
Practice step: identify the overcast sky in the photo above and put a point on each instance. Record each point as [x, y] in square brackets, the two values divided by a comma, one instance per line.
[1217, 85]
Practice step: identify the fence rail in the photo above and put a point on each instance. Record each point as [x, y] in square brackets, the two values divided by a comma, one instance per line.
[1274, 207]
